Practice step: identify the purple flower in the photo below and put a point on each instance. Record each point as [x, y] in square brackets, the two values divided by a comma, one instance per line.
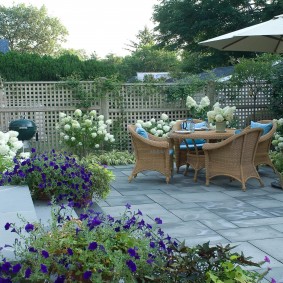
[70, 251]
[29, 227]
[87, 275]
[60, 279]
[6, 266]
[7, 226]
[152, 245]
[16, 268]
[128, 206]
[162, 245]
[139, 212]
[45, 254]
[43, 268]
[158, 220]
[132, 266]
[273, 280]
[32, 250]
[92, 246]
[33, 150]
[28, 273]
[131, 252]
[149, 261]
[267, 259]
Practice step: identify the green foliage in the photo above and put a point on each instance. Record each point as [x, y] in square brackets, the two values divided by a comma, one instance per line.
[31, 30]
[183, 24]
[113, 157]
[101, 177]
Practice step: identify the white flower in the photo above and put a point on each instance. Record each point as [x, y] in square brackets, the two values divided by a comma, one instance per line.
[280, 122]
[4, 149]
[166, 128]
[17, 145]
[78, 113]
[280, 145]
[73, 138]
[13, 139]
[62, 115]
[164, 117]
[67, 128]
[76, 124]
[92, 113]
[219, 118]
[152, 120]
[153, 131]
[88, 123]
[190, 102]
[204, 102]
[66, 137]
[106, 138]
[100, 117]
[138, 125]
[13, 134]
[108, 122]
[80, 143]
[97, 145]
[94, 135]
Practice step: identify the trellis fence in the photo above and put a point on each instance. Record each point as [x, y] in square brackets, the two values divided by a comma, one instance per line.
[42, 102]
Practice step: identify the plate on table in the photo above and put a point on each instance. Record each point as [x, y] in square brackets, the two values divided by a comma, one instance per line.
[183, 132]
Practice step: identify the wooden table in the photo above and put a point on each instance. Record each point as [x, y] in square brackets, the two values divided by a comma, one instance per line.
[203, 134]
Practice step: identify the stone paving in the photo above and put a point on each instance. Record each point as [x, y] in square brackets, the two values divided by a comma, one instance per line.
[221, 213]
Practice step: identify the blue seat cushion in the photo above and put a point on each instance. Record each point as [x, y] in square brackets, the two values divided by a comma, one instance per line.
[183, 146]
[190, 141]
[266, 127]
[238, 131]
[142, 132]
[171, 151]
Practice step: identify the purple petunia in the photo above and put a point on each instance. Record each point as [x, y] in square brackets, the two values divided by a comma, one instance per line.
[273, 280]
[92, 246]
[6, 266]
[60, 279]
[87, 275]
[32, 250]
[16, 268]
[28, 272]
[267, 259]
[152, 245]
[7, 226]
[132, 266]
[29, 227]
[43, 268]
[45, 254]
[70, 251]
[131, 252]
[158, 220]
[128, 206]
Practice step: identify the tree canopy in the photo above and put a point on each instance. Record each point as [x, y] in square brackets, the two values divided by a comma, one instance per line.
[182, 24]
[31, 30]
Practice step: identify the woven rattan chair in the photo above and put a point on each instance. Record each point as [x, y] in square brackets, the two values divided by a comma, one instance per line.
[233, 157]
[181, 151]
[262, 153]
[153, 154]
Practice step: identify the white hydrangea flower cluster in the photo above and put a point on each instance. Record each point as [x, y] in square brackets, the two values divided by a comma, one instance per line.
[83, 133]
[219, 114]
[278, 136]
[197, 110]
[159, 128]
[9, 145]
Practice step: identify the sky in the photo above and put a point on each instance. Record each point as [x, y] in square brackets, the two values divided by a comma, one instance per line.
[101, 26]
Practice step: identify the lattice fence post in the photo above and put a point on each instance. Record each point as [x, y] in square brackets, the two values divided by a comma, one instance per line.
[105, 106]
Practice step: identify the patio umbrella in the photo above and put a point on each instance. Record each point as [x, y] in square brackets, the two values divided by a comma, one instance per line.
[263, 37]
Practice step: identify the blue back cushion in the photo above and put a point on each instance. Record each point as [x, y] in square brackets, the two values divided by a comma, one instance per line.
[266, 127]
[142, 132]
[197, 141]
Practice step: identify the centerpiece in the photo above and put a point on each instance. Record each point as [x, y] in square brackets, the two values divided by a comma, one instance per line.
[221, 116]
[198, 110]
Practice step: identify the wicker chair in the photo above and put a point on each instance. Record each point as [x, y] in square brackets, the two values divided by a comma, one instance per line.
[151, 154]
[233, 157]
[262, 153]
[181, 151]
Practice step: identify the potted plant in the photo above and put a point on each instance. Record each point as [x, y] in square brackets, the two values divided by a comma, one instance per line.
[221, 116]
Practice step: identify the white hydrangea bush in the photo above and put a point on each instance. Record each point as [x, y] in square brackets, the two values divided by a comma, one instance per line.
[277, 141]
[219, 114]
[159, 128]
[9, 146]
[84, 133]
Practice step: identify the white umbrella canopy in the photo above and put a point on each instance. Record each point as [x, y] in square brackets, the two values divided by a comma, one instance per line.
[263, 37]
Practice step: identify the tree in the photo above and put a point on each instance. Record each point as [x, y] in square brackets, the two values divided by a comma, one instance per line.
[182, 24]
[29, 29]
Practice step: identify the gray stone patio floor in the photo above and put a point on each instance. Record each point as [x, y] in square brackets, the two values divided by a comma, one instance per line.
[221, 213]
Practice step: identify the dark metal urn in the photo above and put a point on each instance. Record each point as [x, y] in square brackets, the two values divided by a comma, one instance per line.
[25, 127]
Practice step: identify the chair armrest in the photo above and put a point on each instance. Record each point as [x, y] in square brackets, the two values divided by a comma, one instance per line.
[212, 146]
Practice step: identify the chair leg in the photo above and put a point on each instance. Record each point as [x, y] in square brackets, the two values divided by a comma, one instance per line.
[243, 186]
[195, 175]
